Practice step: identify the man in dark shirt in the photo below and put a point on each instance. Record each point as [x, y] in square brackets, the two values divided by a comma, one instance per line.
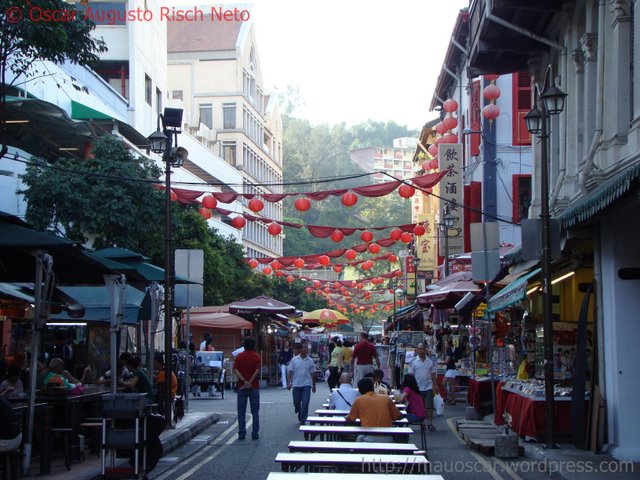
[365, 353]
[247, 368]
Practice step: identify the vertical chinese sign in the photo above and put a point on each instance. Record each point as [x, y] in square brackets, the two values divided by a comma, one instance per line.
[451, 195]
[426, 248]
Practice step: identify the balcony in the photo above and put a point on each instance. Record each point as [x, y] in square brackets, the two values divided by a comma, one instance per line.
[504, 34]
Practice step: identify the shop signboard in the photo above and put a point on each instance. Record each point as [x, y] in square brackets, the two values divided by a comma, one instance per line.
[426, 248]
[451, 196]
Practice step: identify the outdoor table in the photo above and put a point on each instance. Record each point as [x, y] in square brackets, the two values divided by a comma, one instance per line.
[401, 434]
[338, 420]
[352, 447]
[359, 462]
[479, 392]
[342, 476]
[324, 412]
[399, 406]
[68, 410]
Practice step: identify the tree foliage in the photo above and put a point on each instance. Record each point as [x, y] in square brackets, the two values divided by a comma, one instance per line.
[26, 37]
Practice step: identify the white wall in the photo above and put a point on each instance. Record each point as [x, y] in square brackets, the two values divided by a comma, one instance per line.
[621, 304]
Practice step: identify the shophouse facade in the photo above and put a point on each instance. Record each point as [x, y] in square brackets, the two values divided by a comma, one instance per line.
[594, 166]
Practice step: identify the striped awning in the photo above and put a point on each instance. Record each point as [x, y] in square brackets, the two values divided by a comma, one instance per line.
[601, 197]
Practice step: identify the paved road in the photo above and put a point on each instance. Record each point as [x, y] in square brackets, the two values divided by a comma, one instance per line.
[217, 452]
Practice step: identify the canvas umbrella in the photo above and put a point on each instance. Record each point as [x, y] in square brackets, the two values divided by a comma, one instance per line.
[325, 315]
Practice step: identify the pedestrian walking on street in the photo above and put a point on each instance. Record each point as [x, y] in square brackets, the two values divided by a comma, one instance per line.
[301, 377]
[285, 356]
[424, 370]
[364, 353]
[247, 368]
[336, 364]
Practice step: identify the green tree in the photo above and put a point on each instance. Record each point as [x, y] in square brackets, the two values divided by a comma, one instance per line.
[24, 41]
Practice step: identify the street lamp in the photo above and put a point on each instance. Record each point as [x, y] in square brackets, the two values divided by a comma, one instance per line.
[447, 224]
[551, 102]
[162, 142]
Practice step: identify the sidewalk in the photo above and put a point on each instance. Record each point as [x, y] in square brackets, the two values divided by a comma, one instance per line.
[190, 426]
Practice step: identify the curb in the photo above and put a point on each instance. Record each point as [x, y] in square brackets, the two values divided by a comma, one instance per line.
[179, 436]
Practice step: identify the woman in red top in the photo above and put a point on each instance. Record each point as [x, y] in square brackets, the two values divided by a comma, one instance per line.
[247, 369]
[415, 404]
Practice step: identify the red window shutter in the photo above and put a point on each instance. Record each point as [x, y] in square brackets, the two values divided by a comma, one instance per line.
[474, 118]
[521, 98]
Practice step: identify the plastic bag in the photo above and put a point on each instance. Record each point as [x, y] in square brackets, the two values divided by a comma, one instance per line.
[438, 405]
[522, 371]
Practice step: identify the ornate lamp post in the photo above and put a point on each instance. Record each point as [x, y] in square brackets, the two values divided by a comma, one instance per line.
[165, 142]
[551, 102]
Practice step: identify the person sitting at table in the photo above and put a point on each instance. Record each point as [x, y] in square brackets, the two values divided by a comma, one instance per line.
[416, 411]
[343, 397]
[10, 429]
[158, 366]
[125, 374]
[379, 385]
[373, 410]
[59, 377]
[139, 382]
[12, 388]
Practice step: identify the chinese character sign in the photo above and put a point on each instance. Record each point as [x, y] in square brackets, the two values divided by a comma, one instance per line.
[426, 248]
[451, 195]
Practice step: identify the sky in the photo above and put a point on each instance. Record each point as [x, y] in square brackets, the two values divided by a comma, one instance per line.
[354, 60]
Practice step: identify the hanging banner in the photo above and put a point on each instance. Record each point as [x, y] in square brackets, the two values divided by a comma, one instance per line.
[426, 248]
[451, 196]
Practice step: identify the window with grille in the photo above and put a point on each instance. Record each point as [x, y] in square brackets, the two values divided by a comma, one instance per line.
[521, 105]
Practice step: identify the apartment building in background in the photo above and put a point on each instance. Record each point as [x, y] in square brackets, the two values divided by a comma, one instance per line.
[396, 161]
[214, 71]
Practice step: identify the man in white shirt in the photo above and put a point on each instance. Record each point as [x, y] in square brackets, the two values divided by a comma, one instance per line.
[342, 397]
[301, 376]
[424, 369]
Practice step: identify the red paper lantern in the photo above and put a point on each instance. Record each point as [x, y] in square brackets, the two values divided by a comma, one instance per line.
[491, 112]
[316, 283]
[392, 258]
[366, 236]
[327, 290]
[255, 205]
[274, 229]
[209, 201]
[374, 248]
[492, 77]
[279, 273]
[266, 270]
[353, 283]
[238, 222]
[433, 163]
[276, 265]
[406, 237]
[450, 105]
[406, 191]
[350, 254]
[204, 213]
[395, 234]
[290, 279]
[349, 199]
[450, 123]
[337, 235]
[298, 263]
[324, 260]
[425, 165]
[337, 285]
[173, 196]
[337, 268]
[491, 92]
[438, 141]
[398, 273]
[253, 263]
[419, 230]
[308, 290]
[433, 150]
[359, 286]
[450, 138]
[440, 128]
[302, 204]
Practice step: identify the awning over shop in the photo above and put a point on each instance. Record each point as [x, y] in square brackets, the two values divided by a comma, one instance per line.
[98, 306]
[449, 291]
[601, 197]
[512, 293]
[216, 320]
[59, 299]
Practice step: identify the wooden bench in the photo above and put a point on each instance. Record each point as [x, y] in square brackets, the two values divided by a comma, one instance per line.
[399, 434]
[340, 420]
[342, 476]
[349, 462]
[352, 447]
